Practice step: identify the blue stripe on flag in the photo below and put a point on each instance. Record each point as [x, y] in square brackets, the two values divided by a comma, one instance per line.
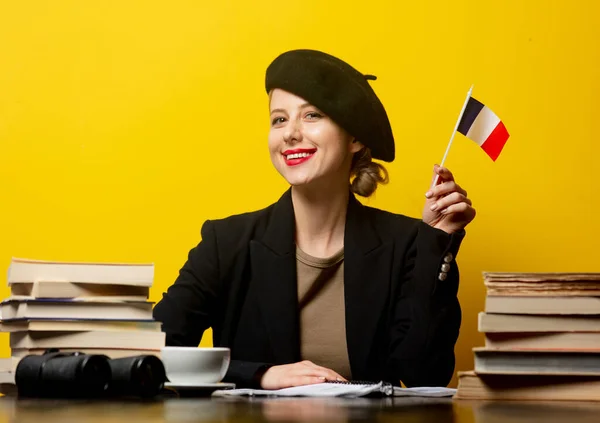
[471, 111]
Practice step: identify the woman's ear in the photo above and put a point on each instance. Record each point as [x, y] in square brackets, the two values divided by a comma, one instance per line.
[355, 146]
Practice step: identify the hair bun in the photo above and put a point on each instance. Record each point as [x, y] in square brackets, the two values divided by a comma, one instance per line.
[367, 174]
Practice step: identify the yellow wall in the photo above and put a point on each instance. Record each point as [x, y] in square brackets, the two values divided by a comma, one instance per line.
[125, 124]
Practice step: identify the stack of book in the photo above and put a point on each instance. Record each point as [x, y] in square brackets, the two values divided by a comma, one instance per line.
[542, 339]
[92, 308]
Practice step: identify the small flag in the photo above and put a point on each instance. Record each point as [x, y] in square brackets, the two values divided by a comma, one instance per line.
[481, 125]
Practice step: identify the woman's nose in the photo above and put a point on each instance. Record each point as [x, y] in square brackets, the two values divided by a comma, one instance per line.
[293, 133]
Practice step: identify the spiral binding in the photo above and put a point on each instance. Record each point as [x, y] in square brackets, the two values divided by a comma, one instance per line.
[352, 382]
[385, 389]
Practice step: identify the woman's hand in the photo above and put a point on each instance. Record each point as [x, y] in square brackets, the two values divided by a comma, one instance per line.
[447, 206]
[296, 374]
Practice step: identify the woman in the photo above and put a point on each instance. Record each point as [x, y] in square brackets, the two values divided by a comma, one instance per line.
[316, 286]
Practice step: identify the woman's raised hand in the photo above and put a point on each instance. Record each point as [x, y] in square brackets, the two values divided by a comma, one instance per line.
[447, 206]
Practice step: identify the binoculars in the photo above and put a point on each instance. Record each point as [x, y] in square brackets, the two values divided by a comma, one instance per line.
[78, 375]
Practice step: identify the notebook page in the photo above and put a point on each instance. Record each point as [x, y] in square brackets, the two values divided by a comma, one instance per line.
[347, 390]
[316, 390]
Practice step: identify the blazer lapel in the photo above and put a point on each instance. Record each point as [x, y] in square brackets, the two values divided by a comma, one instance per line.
[273, 259]
[367, 267]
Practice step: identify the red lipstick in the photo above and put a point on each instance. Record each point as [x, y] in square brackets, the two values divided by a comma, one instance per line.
[298, 155]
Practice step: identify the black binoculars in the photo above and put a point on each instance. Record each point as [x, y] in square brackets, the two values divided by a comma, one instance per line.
[78, 375]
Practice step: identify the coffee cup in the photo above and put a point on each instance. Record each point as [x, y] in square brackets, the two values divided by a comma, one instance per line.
[192, 365]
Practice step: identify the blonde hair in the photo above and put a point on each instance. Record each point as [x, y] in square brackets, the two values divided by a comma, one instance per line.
[366, 173]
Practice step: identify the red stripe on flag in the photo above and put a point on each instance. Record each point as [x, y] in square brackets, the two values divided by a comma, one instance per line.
[495, 142]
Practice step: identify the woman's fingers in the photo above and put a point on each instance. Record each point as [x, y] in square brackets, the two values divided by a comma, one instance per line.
[443, 176]
[463, 208]
[445, 189]
[444, 173]
[296, 374]
[447, 207]
[331, 375]
[450, 199]
[328, 373]
[286, 375]
[304, 380]
[308, 374]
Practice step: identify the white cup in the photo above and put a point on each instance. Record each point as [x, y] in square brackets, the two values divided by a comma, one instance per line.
[192, 365]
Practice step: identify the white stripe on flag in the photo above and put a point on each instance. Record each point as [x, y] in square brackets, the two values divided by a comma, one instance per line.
[485, 122]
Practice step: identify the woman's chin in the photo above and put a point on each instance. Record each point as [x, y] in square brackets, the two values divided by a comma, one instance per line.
[298, 180]
[310, 180]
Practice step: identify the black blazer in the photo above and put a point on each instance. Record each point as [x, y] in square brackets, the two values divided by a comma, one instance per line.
[402, 320]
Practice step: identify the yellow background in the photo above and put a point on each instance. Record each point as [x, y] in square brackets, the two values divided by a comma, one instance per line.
[124, 125]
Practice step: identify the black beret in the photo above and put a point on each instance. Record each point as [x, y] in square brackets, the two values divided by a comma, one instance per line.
[340, 91]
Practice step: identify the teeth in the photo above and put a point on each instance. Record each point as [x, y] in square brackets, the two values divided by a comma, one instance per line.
[297, 155]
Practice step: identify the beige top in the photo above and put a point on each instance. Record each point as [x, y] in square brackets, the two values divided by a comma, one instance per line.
[322, 311]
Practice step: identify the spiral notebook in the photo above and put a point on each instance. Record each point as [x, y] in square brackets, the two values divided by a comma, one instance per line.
[352, 389]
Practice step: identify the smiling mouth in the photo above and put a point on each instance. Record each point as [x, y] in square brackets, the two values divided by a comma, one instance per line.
[293, 158]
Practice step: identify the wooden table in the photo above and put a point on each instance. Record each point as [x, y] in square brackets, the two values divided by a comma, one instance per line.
[244, 410]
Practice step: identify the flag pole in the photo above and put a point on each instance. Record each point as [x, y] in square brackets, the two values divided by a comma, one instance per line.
[462, 112]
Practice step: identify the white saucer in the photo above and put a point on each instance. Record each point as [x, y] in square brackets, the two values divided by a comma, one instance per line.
[200, 385]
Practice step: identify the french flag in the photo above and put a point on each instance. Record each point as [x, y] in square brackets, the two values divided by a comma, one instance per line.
[481, 125]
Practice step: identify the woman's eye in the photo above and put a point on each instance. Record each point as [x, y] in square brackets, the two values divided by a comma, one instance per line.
[277, 120]
[313, 115]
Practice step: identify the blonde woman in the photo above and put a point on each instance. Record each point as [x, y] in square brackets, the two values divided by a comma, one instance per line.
[317, 286]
